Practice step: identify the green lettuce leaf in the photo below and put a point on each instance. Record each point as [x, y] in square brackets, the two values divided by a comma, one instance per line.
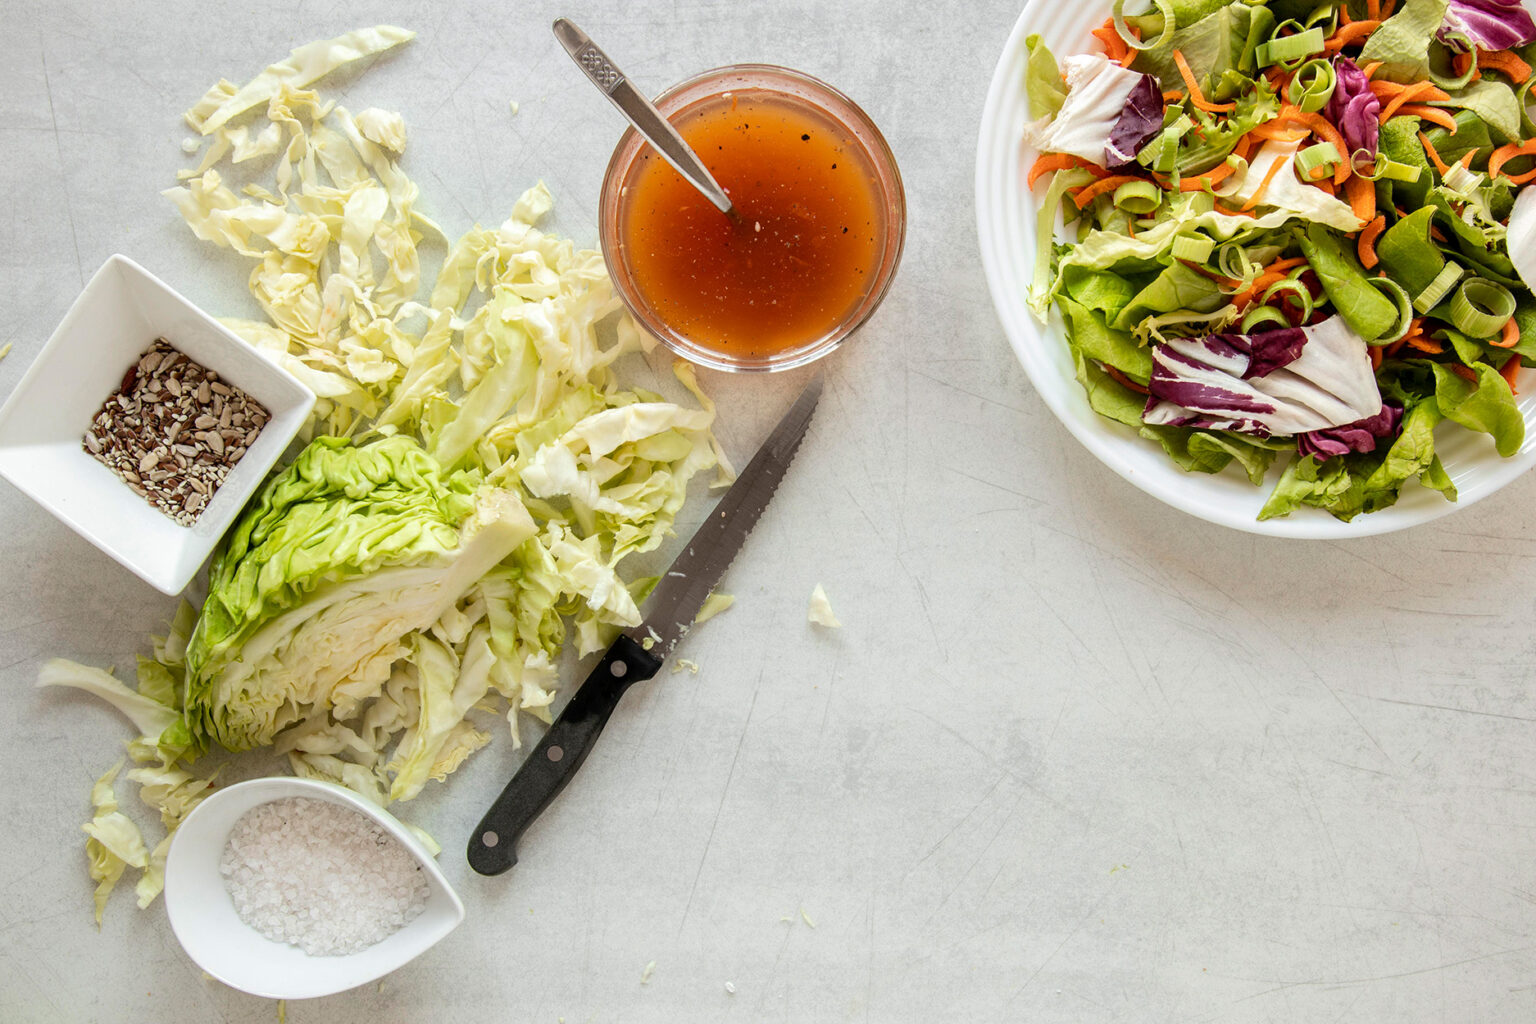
[1368, 312]
[1042, 79]
[1486, 405]
[1177, 287]
[1107, 396]
[1088, 333]
[1492, 103]
[1402, 42]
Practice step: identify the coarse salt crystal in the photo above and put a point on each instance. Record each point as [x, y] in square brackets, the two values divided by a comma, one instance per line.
[320, 876]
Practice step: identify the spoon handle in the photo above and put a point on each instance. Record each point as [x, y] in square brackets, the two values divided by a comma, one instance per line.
[642, 114]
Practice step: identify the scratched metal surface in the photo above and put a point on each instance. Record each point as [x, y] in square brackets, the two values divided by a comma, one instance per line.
[1074, 756]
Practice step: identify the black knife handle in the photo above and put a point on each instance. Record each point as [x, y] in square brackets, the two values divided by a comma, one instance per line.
[562, 750]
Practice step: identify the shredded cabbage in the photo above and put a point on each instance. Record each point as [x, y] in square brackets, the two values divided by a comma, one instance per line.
[477, 471]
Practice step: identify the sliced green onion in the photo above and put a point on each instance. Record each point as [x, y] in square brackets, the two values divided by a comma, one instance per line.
[1322, 156]
[1325, 18]
[1312, 85]
[1523, 94]
[1461, 180]
[1288, 50]
[1392, 170]
[1194, 248]
[1439, 288]
[1167, 157]
[1399, 296]
[1294, 292]
[1481, 307]
[1117, 12]
[1261, 316]
[1261, 25]
[1138, 197]
[1232, 261]
[1455, 41]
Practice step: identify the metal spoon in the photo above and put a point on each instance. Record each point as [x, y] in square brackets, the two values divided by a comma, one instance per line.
[641, 113]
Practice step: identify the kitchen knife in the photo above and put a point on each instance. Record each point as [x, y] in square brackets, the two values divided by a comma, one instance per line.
[638, 652]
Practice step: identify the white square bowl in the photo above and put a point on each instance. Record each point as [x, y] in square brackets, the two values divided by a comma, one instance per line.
[204, 918]
[116, 319]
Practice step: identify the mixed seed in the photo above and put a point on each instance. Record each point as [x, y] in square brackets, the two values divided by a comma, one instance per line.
[173, 430]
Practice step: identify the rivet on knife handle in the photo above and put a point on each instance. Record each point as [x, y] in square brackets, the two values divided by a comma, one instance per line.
[562, 750]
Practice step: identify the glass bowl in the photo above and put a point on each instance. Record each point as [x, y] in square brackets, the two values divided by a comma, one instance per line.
[802, 96]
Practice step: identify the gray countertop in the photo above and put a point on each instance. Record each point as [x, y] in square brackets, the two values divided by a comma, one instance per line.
[1074, 756]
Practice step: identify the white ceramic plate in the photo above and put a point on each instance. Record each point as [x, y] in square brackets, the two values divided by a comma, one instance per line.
[1005, 214]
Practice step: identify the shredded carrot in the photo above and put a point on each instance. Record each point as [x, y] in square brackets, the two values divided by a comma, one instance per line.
[1376, 356]
[1114, 47]
[1505, 62]
[1208, 179]
[1269, 176]
[1048, 163]
[1123, 380]
[1509, 371]
[1415, 329]
[1263, 281]
[1386, 9]
[1366, 244]
[1434, 157]
[1509, 335]
[1326, 185]
[1461, 63]
[1173, 96]
[1085, 195]
[1350, 33]
[1406, 94]
[1228, 211]
[1504, 154]
[1438, 235]
[1361, 193]
[1195, 95]
[1424, 343]
[1426, 91]
[1344, 18]
[1271, 130]
[1371, 68]
[1464, 372]
[1373, 9]
[1434, 115]
[1323, 130]
[1289, 263]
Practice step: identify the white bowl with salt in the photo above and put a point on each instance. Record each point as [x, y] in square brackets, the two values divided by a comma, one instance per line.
[291, 888]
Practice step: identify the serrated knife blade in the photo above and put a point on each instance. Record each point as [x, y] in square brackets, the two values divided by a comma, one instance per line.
[638, 653]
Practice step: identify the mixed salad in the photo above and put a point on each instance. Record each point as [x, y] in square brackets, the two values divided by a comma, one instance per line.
[1299, 229]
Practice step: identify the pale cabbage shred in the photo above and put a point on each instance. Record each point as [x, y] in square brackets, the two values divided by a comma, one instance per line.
[501, 370]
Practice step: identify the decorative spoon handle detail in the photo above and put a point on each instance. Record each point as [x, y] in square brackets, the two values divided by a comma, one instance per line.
[641, 112]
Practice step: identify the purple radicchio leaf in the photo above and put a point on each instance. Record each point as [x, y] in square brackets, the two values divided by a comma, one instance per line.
[1268, 351]
[1141, 119]
[1353, 107]
[1359, 436]
[1490, 24]
[1288, 381]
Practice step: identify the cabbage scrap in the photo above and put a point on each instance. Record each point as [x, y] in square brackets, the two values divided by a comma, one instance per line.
[114, 843]
[820, 611]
